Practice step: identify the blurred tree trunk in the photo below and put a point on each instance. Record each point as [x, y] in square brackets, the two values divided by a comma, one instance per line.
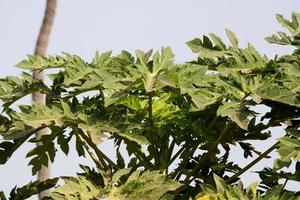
[38, 98]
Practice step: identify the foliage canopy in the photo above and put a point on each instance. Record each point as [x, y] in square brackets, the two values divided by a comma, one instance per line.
[162, 112]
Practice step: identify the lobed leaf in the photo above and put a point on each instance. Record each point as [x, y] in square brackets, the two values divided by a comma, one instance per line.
[148, 185]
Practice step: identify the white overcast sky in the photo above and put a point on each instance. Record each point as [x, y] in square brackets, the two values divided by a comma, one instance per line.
[82, 27]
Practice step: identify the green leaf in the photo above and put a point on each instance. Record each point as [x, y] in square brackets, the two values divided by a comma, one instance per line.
[165, 112]
[63, 141]
[38, 62]
[101, 60]
[289, 149]
[163, 60]
[79, 147]
[277, 194]
[237, 192]
[293, 132]
[143, 57]
[92, 175]
[201, 87]
[148, 185]
[75, 71]
[42, 115]
[120, 159]
[140, 139]
[133, 102]
[43, 153]
[237, 111]
[205, 48]
[66, 110]
[232, 38]
[218, 42]
[2, 196]
[97, 130]
[279, 93]
[290, 25]
[13, 88]
[116, 179]
[284, 39]
[220, 184]
[17, 129]
[76, 188]
[31, 189]
[7, 148]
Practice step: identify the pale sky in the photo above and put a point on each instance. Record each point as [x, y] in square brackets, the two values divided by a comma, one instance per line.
[82, 27]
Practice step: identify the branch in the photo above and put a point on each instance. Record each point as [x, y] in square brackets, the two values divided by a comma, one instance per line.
[259, 158]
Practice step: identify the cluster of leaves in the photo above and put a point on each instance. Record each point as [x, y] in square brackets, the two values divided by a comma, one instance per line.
[224, 192]
[162, 113]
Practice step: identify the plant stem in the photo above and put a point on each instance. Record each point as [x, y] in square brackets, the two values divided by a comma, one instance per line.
[284, 184]
[140, 156]
[150, 114]
[106, 173]
[212, 122]
[166, 149]
[142, 159]
[243, 170]
[171, 149]
[176, 155]
[151, 127]
[213, 148]
[176, 174]
[209, 153]
[88, 149]
[101, 156]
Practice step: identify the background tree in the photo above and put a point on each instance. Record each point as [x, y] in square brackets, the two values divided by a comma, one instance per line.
[39, 98]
